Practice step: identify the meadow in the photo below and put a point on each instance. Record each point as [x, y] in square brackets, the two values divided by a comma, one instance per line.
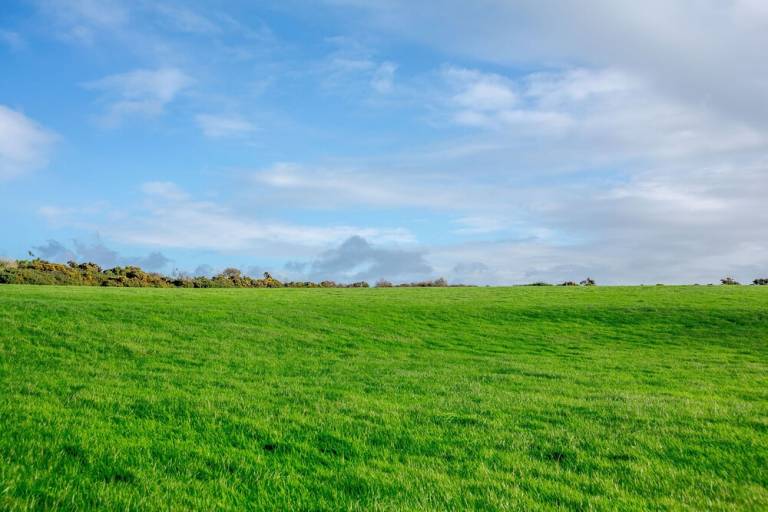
[525, 398]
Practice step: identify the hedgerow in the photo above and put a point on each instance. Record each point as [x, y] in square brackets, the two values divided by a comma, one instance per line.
[43, 272]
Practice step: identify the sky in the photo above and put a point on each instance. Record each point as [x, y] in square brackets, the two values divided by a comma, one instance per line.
[488, 142]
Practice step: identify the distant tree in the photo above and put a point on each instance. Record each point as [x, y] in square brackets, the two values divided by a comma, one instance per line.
[729, 281]
[588, 282]
[569, 283]
[763, 281]
[383, 283]
[231, 273]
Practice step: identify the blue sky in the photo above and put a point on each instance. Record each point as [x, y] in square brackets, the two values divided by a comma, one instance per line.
[492, 142]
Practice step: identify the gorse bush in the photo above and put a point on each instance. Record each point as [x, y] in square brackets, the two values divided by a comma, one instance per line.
[43, 272]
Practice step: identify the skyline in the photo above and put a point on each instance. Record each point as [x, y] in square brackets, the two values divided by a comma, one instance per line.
[492, 143]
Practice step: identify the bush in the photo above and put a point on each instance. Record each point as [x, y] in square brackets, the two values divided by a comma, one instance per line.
[729, 281]
[230, 273]
[588, 282]
[569, 283]
[5, 263]
[437, 283]
[39, 271]
[763, 281]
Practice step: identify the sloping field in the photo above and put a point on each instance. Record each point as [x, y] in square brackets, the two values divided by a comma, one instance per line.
[394, 399]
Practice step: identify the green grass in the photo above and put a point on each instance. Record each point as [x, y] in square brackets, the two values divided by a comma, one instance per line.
[384, 399]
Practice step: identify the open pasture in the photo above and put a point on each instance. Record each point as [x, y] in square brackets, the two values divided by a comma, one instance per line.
[526, 398]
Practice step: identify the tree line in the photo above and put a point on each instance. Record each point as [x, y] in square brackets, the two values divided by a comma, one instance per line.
[41, 272]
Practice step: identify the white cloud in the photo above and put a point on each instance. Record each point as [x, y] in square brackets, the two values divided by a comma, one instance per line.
[166, 190]
[142, 92]
[24, 144]
[594, 115]
[353, 67]
[218, 126]
[708, 52]
[479, 91]
[342, 187]
[171, 218]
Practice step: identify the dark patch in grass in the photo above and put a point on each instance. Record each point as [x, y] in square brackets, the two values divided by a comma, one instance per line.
[269, 447]
[75, 452]
[119, 476]
[334, 446]
[556, 456]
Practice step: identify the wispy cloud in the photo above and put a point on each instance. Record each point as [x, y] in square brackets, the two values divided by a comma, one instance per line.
[224, 126]
[83, 20]
[383, 79]
[168, 217]
[142, 92]
[12, 39]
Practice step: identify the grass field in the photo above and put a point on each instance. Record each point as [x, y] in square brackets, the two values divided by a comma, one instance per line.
[395, 399]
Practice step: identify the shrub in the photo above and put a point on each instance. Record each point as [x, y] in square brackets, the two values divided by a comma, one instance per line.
[729, 281]
[230, 273]
[37, 271]
[6, 263]
[588, 282]
[439, 282]
[763, 281]
[569, 283]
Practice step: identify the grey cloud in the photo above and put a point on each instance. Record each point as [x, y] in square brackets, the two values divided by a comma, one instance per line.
[204, 270]
[706, 52]
[470, 268]
[54, 250]
[97, 252]
[296, 266]
[356, 259]
[256, 271]
[661, 227]
[154, 261]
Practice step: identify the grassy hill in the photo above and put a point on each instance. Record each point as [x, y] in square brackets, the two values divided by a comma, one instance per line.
[408, 399]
